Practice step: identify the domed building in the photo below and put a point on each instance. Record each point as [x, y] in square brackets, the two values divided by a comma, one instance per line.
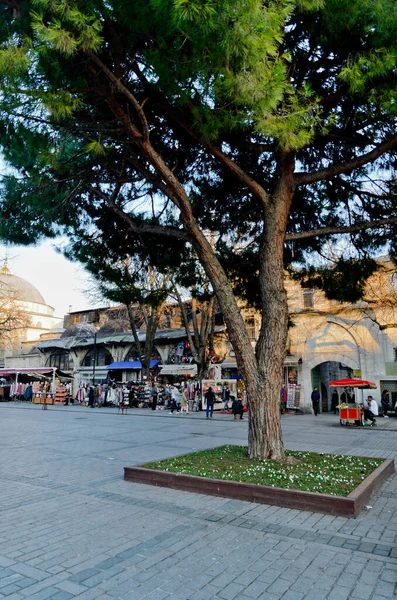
[25, 318]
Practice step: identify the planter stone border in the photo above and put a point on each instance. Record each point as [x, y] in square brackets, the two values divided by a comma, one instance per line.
[347, 506]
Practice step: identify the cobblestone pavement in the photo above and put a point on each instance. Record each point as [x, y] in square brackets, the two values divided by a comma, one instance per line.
[70, 527]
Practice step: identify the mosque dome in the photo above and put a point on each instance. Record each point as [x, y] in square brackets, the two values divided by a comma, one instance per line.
[25, 291]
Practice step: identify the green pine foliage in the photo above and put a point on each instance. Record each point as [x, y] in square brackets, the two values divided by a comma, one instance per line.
[310, 79]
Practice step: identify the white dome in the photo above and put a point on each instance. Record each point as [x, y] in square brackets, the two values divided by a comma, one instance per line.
[26, 292]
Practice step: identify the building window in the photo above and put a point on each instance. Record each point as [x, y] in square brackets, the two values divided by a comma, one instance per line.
[395, 354]
[61, 360]
[394, 282]
[101, 356]
[308, 299]
[250, 327]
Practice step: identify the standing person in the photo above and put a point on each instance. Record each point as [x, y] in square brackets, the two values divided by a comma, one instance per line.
[334, 401]
[315, 400]
[385, 402]
[372, 411]
[225, 397]
[210, 399]
[154, 395]
[91, 397]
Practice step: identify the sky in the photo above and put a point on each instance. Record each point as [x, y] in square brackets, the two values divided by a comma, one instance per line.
[60, 282]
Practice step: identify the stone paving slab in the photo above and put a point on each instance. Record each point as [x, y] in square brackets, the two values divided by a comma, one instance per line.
[70, 527]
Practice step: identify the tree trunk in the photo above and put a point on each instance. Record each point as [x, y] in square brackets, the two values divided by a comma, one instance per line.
[270, 349]
[263, 418]
[151, 329]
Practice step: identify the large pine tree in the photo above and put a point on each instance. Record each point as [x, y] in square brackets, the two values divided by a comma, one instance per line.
[248, 130]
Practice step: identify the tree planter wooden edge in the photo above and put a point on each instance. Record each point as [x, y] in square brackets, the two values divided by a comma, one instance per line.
[349, 506]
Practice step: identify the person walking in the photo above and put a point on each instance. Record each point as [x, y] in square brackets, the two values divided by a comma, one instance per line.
[226, 397]
[210, 399]
[315, 400]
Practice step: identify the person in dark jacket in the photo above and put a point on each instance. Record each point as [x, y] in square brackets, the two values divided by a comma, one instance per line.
[237, 408]
[334, 401]
[210, 399]
[91, 397]
[315, 400]
[385, 401]
[154, 394]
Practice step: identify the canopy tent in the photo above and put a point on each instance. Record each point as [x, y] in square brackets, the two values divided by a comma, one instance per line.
[362, 384]
[189, 370]
[130, 365]
[35, 372]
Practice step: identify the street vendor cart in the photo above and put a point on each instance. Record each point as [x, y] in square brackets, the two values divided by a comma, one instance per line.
[352, 414]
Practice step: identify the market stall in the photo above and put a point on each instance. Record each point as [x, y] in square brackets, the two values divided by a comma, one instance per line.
[352, 413]
[45, 383]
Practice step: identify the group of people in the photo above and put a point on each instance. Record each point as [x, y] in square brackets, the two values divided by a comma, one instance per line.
[237, 405]
[371, 410]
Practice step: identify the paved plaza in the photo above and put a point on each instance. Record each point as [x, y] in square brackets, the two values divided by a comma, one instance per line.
[70, 527]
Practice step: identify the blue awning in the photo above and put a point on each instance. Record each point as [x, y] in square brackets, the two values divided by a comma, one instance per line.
[131, 365]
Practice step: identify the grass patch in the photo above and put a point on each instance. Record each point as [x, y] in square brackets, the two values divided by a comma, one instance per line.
[323, 473]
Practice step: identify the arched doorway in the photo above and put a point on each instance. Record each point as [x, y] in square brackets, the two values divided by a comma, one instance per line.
[325, 372]
[331, 352]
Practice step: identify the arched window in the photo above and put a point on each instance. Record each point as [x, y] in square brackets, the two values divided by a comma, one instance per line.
[100, 356]
[133, 354]
[61, 359]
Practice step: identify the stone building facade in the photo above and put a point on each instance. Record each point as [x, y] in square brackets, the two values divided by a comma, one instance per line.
[328, 340]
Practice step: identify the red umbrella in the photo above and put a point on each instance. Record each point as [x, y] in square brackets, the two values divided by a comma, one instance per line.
[355, 383]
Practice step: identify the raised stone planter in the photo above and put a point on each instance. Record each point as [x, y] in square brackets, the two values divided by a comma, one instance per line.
[349, 506]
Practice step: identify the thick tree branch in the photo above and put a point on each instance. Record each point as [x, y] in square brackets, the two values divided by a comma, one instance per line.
[302, 235]
[116, 81]
[348, 167]
[225, 161]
